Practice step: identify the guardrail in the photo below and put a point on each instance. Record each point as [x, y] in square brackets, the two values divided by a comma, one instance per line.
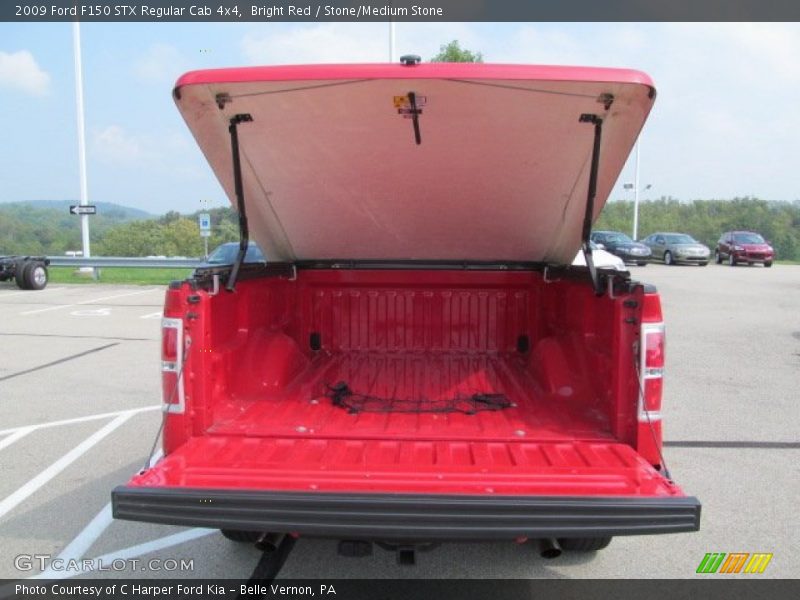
[119, 261]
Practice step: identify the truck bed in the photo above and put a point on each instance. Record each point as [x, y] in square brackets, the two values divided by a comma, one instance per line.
[399, 379]
[258, 443]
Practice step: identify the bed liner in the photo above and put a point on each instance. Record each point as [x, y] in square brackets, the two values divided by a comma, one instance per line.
[304, 405]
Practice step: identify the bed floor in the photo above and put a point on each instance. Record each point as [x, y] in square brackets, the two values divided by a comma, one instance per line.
[419, 381]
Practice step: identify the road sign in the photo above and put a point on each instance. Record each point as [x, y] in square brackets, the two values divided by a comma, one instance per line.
[204, 220]
[83, 209]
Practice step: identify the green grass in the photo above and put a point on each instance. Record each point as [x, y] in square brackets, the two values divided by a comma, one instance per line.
[130, 275]
[787, 262]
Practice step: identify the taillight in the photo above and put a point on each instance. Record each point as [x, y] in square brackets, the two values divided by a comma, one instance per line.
[169, 342]
[653, 350]
[172, 365]
[651, 371]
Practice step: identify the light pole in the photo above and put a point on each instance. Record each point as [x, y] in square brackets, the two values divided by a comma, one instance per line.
[76, 49]
[636, 190]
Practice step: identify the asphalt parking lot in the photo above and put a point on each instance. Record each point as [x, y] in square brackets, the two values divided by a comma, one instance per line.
[80, 388]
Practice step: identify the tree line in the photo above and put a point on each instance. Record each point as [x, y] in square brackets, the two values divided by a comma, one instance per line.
[706, 220]
[51, 232]
[171, 235]
[28, 228]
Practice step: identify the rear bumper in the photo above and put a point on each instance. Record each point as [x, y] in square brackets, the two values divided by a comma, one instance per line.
[407, 517]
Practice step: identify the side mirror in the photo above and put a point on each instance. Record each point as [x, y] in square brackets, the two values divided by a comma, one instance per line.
[602, 247]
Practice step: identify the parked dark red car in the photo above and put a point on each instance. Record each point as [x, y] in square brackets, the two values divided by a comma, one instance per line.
[745, 247]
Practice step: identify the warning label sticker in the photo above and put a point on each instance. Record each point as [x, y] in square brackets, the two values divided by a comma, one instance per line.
[405, 102]
[408, 112]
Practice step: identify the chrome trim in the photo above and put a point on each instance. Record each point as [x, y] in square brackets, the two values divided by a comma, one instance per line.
[655, 415]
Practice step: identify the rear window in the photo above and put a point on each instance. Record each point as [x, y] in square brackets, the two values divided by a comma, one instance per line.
[680, 239]
[618, 238]
[226, 255]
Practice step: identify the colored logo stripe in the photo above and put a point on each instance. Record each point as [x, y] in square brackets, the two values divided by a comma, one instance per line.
[711, 562]
[752, 563]
[734, 562]
[758, 562]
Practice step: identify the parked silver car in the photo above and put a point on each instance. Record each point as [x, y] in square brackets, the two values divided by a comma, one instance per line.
[676, 248]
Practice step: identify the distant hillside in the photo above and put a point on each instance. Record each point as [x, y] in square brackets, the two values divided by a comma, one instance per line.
[46, 227]
[109, 209]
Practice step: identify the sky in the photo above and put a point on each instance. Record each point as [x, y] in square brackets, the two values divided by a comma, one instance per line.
[725, 122]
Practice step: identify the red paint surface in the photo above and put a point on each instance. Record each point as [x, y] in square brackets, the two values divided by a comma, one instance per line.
[394, 466]
[257, 417]
[332, 171]
[420, 71]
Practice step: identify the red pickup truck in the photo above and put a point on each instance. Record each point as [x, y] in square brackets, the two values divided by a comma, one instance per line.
[417, 362]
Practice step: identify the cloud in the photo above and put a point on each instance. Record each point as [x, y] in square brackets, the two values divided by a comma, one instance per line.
[722, 124]
[324, 43]
[719, 126]
[540, 45]
[160, 63]
[748, 52]
[164, 152]
[353, 42]
[19, 71]
[114, 145]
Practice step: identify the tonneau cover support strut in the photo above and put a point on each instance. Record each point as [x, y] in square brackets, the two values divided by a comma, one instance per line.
[590, 198]
[244, 232]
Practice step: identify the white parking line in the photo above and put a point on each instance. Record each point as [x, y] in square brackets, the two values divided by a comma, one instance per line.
[13, 500]
[92, 312]
[103, 299]
[19, 433]
[131, 412]
[155, 315]
[28, 292]
[135, 551]
[77, 548]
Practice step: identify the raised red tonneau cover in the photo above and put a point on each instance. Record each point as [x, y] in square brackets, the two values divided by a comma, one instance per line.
[332, 170]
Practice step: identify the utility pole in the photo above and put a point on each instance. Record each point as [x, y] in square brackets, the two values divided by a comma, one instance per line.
[636, 196]
[84, 199]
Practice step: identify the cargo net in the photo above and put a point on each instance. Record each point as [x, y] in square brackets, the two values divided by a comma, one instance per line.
[353, 402]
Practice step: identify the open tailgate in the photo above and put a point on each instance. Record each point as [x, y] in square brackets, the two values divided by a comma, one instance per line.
[408, 489]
